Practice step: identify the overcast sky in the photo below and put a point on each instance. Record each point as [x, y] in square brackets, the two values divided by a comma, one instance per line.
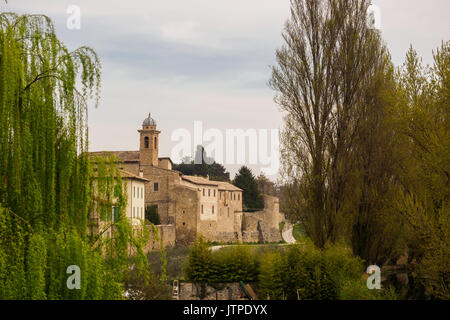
[208, 60]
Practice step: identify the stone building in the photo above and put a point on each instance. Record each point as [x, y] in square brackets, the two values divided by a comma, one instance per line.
[264, 225]
[189, 205]
[134, 187]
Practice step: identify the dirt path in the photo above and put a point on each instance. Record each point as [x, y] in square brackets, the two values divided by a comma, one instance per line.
[287, 233]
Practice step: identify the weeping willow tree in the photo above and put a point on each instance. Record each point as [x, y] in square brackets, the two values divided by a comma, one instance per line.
[46, 180]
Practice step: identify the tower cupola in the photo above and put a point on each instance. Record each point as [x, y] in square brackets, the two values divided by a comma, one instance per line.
[149, 121]
[148, 150]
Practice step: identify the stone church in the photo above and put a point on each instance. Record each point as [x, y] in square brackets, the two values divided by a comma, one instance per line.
[191, 204]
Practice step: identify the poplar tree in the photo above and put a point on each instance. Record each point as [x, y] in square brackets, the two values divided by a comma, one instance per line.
[329, 60]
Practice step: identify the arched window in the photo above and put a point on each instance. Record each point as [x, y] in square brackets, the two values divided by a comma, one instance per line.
[146, 142]
[156, 143]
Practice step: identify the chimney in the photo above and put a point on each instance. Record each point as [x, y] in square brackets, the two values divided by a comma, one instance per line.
[141, 173]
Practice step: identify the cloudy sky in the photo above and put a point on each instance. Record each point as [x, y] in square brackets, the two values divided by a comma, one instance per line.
[206, 60]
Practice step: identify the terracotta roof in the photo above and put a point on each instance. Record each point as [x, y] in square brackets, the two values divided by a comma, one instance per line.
[126, 174]
[200, 180]
[228, 186]
[125, 156]
[204, 181]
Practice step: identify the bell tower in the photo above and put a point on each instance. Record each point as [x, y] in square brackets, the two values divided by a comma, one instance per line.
[149, 143]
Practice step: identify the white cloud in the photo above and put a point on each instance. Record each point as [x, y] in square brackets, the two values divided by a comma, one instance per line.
[187, 60]
[181, 31]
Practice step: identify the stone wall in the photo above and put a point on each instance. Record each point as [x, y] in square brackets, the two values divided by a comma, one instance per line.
[179, 205]
[223, 291]
[161, 198]
[165, 163]
[186, 207]
[166, 233]
[263, 226]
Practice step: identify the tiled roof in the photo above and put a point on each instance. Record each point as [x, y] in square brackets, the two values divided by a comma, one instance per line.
[200, 180]
[133, 156]
[228, 186]
[127, 174]
[204, 181]
[125, 156]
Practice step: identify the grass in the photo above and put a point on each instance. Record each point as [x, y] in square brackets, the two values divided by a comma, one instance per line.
[298, 232]
[281, 226]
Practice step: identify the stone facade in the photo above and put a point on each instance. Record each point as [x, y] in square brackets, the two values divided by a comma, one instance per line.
[166, 234]
[193, 205]
[134, 187]
[263, 226]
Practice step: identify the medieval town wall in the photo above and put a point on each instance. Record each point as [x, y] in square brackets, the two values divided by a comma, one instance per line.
[263, 226]
[225, 291]
[166, 233]
[186, 207]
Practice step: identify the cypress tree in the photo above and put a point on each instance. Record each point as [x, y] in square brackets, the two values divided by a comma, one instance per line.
[252, 199]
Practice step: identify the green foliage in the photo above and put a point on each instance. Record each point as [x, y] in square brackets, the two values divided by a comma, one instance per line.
[270, 278]
[36, 262]
[280, 227]
[421, 201]
[310, 274]
[48, 190]
[266, 186]
[163, 254]
[176, 260]
[151, 214]
[233, 265]
[252, 199]
[365, 149]
[298, 232]
[108, 191]
[203, 166]
[199, 261]
[298, 272]
[356, 289]
[325, 84]
[154, 289]
[13, 230]
[307, 273]
[227, 265]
